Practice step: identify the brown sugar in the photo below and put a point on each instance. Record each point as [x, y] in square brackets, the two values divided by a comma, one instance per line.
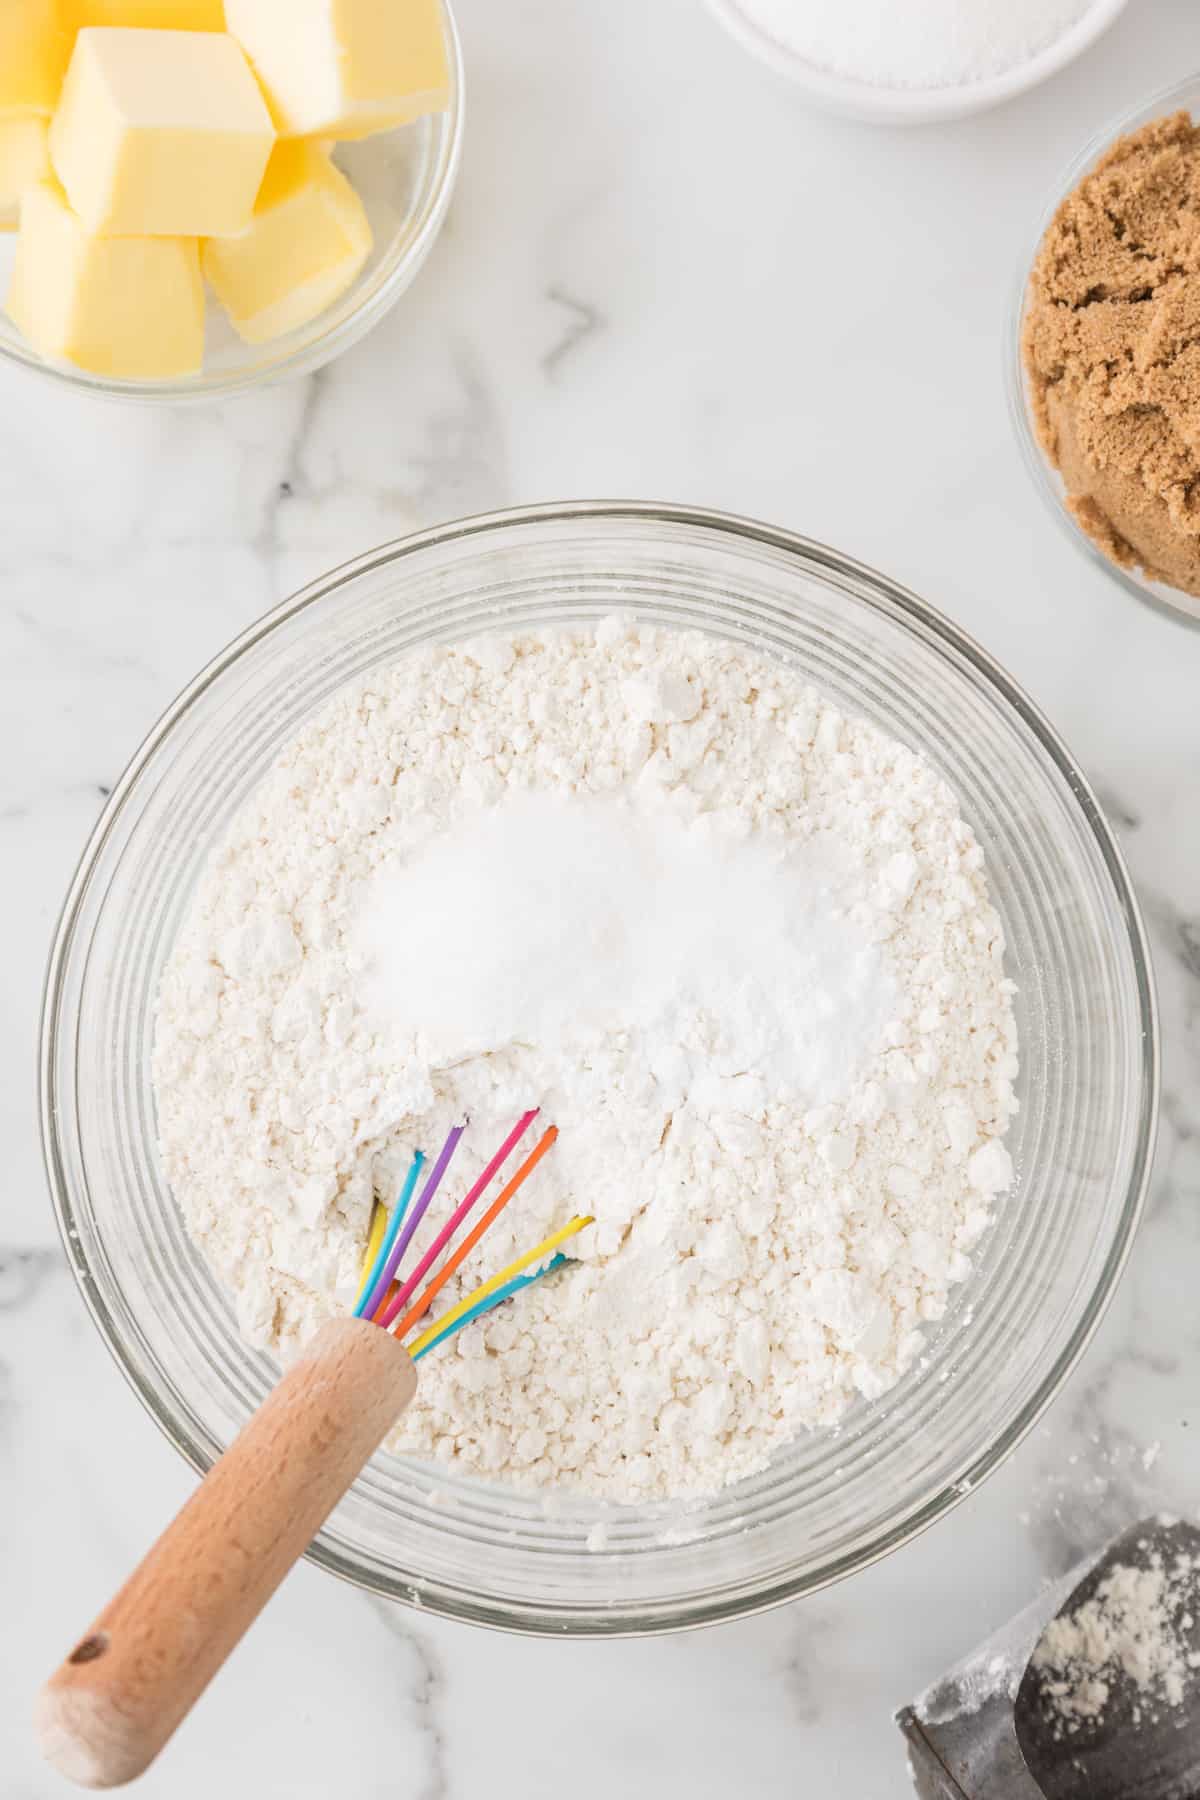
[1112, 350]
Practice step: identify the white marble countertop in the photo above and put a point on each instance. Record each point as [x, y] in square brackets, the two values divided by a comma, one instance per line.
[664, 279]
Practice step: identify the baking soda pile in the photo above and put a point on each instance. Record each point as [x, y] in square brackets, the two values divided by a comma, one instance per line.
[602, 873]
[559, 920]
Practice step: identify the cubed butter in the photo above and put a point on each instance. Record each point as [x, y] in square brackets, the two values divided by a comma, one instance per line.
[34, 45]
[23, 160]
[344, 68]
[151, 15]
[122, 306]
[307, 241]
[160, 133]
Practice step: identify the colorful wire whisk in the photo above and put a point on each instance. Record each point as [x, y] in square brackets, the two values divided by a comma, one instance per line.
[386, 1297]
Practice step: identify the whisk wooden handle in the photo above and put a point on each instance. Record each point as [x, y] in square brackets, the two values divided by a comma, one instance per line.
[112, 1705]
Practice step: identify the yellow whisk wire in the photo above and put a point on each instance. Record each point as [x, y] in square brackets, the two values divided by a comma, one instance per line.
[379, 1219]
[539, 1253]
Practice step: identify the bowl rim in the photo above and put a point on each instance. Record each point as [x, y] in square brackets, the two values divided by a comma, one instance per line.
[901, 105]
[529, 1619]
[1172, 603]
[315, 352]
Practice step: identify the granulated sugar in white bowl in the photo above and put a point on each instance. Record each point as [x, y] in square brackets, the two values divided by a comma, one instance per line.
[922, 44]
[919, 61]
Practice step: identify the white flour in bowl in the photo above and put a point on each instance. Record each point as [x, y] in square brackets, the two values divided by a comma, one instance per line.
[604, 873]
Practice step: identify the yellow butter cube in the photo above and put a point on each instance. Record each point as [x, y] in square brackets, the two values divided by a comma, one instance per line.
[306, 243]
[160, 133]
[153, 15]
[344, 68]
[23, 160]
[34, 45]
[121, 306]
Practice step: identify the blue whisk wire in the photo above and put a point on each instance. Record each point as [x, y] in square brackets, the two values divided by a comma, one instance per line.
[367, 1291]
[492, 1300]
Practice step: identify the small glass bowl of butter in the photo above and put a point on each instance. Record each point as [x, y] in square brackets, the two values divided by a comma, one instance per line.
[402, 178]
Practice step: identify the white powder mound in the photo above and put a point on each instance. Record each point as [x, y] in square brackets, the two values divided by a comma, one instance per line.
[917, 44]
[775, 1222]
[1137, 1624]
[557, 920]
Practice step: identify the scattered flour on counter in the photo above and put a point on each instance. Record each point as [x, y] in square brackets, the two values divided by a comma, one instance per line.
[777, 1215]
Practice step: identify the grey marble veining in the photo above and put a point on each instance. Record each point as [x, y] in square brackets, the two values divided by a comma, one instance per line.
[661, 278]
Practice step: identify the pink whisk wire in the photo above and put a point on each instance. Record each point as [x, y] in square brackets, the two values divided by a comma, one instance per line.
[394, 1307]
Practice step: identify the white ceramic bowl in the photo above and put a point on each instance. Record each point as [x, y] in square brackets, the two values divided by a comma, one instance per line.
[914, 106]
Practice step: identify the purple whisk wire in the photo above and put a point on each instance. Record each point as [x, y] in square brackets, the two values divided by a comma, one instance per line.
[412, 1282]
[414, 1219]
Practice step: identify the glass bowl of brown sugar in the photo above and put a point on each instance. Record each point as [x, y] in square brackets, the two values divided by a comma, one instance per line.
[1103, 372]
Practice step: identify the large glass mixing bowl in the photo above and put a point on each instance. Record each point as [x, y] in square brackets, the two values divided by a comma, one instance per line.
[834, 1500]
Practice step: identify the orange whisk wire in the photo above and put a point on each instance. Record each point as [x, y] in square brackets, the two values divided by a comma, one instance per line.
[489, 1218]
